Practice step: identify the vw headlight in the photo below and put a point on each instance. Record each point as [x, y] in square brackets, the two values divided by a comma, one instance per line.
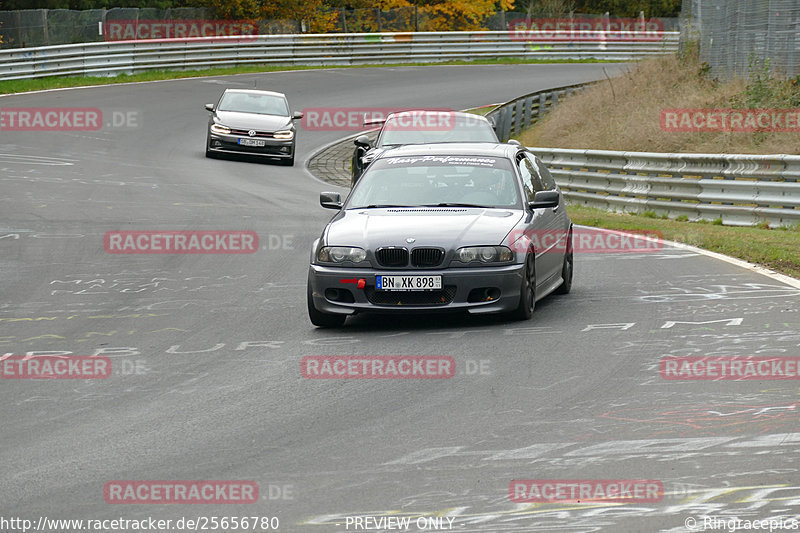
[284, 135]
[341, 254]
[219, 128]
[484, 254]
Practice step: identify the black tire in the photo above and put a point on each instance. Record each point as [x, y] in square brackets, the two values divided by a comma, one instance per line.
[320, 319]
[527, 291]
[567, 269]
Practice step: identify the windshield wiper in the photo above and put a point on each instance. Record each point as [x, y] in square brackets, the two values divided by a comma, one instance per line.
[380, 206]
[456, 204]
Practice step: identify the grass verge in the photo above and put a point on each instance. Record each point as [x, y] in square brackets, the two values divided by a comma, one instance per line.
[776, 249]
[58, 82]
[624, 113]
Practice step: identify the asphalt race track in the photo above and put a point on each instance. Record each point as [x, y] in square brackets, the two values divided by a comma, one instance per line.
[206, 349]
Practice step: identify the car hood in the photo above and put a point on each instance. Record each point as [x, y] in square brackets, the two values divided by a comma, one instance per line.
[251, 121]
[445, 227]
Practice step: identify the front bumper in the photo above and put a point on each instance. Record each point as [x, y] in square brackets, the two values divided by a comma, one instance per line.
[230, 144]
[463, 289]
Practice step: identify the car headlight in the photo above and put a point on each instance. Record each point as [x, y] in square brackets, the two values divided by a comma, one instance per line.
[341, 254]
[484, 254]
[219, 128]
[284, 135]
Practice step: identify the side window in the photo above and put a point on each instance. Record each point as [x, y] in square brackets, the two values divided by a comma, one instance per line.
[547, 178]
[542, 180]
[526, 171]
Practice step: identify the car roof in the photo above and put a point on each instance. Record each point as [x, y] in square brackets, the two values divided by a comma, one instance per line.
[256, 91]
[459, 149]
[456, 114]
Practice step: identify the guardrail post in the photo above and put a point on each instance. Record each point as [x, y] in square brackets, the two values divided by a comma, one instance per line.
[542, 106]
[518, 117]
[527, 107]
[506, 131]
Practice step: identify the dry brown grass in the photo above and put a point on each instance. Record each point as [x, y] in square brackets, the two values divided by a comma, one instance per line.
[624, 114]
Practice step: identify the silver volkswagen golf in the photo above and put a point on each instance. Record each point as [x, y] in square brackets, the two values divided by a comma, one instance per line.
[478, 227]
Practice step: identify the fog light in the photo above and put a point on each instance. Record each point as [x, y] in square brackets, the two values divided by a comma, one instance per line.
[339, 295]
[484, 294]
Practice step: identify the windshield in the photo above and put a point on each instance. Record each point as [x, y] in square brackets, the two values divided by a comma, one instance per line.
[263, 104]
[437, 181]
[435, 128]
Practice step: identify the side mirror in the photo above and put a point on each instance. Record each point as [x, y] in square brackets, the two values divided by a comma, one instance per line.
[330, 200]
[210, 107]
[514, 142]
[297, 115]
[544, 199]
[362, 141]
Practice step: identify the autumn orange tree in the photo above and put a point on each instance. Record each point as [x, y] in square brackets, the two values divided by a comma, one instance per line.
[317, 14]
[451, 15]
[321, 15]
[454, 15]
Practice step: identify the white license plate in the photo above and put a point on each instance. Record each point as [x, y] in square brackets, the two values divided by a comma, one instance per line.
[252, 142]
[408, 283]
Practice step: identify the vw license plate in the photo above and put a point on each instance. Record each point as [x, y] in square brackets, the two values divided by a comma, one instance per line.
[252, 142]
[408, 283]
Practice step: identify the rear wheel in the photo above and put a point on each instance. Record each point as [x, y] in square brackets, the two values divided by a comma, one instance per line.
[527, 291]
[320, 319]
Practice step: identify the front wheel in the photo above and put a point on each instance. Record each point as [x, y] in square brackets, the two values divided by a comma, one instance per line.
[527, 291]
[320, 319]
[566, 269]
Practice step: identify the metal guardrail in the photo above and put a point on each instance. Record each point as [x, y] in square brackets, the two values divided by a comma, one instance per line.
[741, 190]
[511, 118]
[112, 58]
